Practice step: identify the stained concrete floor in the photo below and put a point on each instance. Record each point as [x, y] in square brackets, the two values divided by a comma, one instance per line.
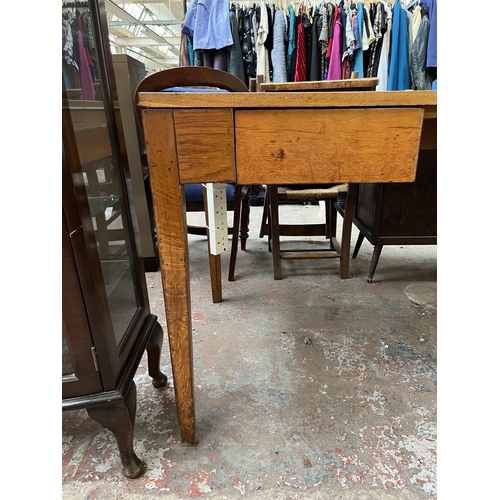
[309, 387]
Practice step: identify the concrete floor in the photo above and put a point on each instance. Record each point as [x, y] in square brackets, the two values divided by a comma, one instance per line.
[309, 387]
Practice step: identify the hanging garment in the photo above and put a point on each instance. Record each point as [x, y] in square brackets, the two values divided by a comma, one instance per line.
[261, 39]
[88, 90]
[269, 43]
[290, 55]
[399, 71]
[306, 22]
[431, 64]
[235, 56]
[343, 23]
[207, 22]
[409, 24]
[383, 66]
[335, 65]
[300, 74]
[379, 28]
[315, 74]
[248, 45]
[190, 51]
[417, 19]
[358, 54]
[323, 38]
[220, 59]
[198, 57]
[278, 56]
[184, 51]
[422, 79]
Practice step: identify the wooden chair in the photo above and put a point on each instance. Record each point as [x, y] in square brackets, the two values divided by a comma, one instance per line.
[328, 193]
[202, 79]
[270, 225]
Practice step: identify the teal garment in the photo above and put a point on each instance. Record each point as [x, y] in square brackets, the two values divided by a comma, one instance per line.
[190, 50]
[399, 69]
[235, 55]
[291, 44]
[358, 55]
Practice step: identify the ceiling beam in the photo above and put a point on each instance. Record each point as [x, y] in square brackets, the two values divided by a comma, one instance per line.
[164, 22]
[125, 16]
[138, 41]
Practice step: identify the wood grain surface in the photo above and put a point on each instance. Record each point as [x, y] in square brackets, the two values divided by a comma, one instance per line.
[170, 217]
[327, 145]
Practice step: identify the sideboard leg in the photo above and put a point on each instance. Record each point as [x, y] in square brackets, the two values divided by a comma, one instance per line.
[345, 245]
[119, 418]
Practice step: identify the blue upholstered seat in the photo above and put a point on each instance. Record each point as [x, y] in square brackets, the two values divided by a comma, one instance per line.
[194, 192]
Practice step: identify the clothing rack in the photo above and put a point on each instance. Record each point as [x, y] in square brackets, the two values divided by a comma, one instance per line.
[69, 5]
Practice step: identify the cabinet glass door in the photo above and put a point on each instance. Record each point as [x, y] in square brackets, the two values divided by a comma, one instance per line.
[94, 128]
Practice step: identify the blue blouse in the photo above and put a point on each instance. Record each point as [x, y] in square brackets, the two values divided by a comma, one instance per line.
[207, 22]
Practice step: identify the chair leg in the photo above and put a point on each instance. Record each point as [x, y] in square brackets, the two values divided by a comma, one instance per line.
[359, 241]
[245, 216]
[334, 244]
[347, 229]
[273, 230]
[377, 250]
[214, 262]
[328, 219]
[265, 211]
[236, 227]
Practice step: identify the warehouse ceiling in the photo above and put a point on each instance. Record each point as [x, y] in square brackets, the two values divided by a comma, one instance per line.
[146, 30]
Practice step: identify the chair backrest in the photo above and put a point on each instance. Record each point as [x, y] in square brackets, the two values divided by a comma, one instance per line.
[187, 76]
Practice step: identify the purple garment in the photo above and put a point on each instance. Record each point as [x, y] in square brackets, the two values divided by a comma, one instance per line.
[88, 90]
[207, 22]
[220, 59]
[335, 68]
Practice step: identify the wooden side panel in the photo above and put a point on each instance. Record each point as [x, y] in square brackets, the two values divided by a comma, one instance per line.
[327, 145]
[170, 217]
[205, 145]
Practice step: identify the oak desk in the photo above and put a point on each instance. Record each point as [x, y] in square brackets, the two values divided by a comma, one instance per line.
[265, 138]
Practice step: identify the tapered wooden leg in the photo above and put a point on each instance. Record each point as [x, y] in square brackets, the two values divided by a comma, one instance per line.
[153, 349]
[236, 228]
[265, 211]
[352, 192]
[359, 242]
[119, 417]
[274, 230]
[377, 250]
[170, 216]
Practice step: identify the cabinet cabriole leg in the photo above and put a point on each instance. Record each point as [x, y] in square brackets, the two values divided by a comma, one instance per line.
[153, 349]
[119, 418]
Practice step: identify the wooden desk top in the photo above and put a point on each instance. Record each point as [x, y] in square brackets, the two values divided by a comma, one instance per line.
[426, 99]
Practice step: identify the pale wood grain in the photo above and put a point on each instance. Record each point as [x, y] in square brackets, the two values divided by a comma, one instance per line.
[170, 217]
[327, 146]
[418, 98]
[205, 145]
[359, 84]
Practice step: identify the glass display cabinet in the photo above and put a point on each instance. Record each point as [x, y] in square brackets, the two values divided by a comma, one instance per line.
[106, 320]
